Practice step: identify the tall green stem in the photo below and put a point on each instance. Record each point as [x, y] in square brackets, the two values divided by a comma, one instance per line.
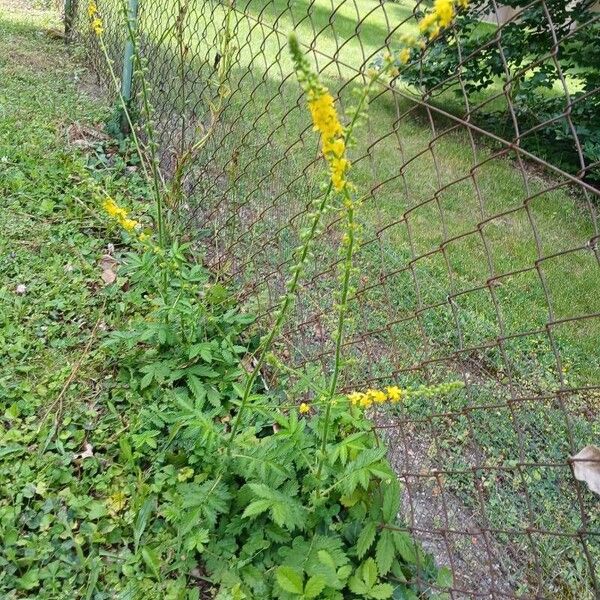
[350, 242]
[156, 178]
[115, 82]
[291, 287]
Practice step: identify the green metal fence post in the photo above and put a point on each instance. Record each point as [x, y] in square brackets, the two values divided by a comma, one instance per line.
[127, 78]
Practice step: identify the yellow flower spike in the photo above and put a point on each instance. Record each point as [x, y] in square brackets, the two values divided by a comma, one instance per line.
[324, 115]
[444, 9]
[92, 9]
[355, 398]
[97, 26]
[129, 224]
[404, 55]
[365, 401]
[394, 393]
[304, 408]
[120, 214]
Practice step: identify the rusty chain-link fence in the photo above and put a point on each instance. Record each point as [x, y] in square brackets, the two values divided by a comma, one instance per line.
[480, 256]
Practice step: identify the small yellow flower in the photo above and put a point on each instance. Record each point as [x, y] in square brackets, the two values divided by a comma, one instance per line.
[394, 393]
[355, 398]
[444, 9]
[404, 55]
[97, 26]
[120, 214]
[377, 396]
[92, 9]
[144, 236]
[338, 167]
[129, 224]
[304, 408]
[427, 21]
[366, 401]
[113, 209]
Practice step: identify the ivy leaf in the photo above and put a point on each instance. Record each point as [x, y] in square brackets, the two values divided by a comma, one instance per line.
[365, 539]
[385, 551]
[289, 580]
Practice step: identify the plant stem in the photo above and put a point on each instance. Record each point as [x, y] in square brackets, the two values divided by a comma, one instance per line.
[156, 179]
[124, 106]
[291, 286]
[350, 242]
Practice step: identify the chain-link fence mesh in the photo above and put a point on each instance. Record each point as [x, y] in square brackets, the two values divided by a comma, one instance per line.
[479, 258]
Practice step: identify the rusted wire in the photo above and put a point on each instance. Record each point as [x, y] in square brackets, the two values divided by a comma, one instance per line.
[479, 261]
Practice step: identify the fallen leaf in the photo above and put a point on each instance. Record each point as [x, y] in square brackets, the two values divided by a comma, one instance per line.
[586, 467]
[88, 452]
[85, 136]
[108, 264]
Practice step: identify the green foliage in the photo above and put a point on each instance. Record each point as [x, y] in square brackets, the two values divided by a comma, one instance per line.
[537, 93]
[116, 479]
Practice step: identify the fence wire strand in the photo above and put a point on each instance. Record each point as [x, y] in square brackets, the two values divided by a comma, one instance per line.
[479, 261]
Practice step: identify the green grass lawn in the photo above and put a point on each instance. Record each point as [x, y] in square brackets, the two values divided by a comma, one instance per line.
[443, 214]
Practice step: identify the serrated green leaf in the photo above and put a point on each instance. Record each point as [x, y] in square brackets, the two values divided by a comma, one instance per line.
[256, 508]
[214, 397]
[146, 380]
[326, 559]
[366, 538]
[196, 387]
[444, 578]
[344, 572]
[314, 586]
[357, 585]
[369, 572]
[289, 580]
[385, 552]
[405, 546]
[391, 500]
[381, 591]
[151, 560]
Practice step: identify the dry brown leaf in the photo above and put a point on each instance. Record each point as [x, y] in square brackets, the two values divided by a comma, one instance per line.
[586, 467]
[108, 264]
[85, 136]
[88, 452]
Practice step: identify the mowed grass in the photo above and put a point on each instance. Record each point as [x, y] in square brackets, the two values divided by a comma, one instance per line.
[470, 259]
[456, 209]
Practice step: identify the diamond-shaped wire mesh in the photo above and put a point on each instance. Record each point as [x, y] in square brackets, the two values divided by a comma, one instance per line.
[479, 261]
